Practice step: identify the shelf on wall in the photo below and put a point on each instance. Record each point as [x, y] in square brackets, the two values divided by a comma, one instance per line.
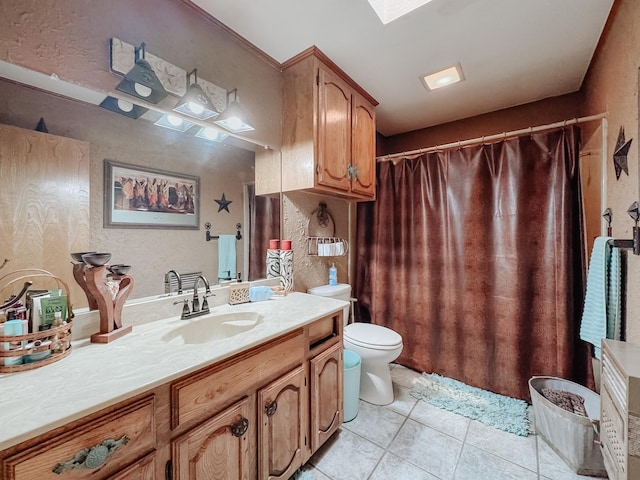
[327, 246]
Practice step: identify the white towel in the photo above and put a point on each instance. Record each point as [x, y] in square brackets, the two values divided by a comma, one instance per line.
[226, 257]
[602, 313]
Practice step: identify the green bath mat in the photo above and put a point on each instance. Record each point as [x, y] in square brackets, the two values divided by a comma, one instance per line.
[499, 411]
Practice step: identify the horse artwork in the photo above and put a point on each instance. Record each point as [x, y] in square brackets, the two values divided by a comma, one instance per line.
[140, 196]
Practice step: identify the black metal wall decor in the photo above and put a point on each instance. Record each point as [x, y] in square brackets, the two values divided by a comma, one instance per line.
[620, 154]
[223, 204]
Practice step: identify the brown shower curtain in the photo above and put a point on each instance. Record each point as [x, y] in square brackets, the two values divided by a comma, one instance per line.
[264, 218]
[473, 255]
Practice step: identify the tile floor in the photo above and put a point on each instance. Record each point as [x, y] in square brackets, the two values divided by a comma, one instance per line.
[412, 440]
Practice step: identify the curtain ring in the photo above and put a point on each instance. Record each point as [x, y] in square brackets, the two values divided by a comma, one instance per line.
[459, 146]
[483, 140]
[531, 132]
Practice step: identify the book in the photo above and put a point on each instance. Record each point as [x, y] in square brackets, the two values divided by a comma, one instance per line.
[49, 306]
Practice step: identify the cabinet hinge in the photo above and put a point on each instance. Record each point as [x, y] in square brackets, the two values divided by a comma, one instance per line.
[305, 440]
[318, 79]
[168, 470]
[305, 381]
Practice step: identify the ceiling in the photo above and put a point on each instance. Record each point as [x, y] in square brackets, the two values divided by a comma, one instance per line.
[512, 52]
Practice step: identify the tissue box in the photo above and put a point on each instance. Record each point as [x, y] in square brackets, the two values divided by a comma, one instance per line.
[239, 293]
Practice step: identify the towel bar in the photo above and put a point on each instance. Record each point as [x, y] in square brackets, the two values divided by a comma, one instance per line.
[633, 244]
[209, 237]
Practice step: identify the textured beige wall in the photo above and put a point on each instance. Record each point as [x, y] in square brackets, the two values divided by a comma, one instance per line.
[150, 252]
[308, 270]
[612, 85]
[71, 39]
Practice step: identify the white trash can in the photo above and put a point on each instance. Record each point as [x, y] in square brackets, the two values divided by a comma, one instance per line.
[352, 364]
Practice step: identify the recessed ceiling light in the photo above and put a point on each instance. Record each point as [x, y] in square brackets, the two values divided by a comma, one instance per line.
[390, 10]
[443, 77]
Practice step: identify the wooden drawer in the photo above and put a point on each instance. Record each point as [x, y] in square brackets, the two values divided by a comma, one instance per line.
[135, 421]
[324, 333]
[206, 392]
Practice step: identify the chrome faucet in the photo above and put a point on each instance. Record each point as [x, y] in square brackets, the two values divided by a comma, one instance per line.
[195, 303]
[166, 279]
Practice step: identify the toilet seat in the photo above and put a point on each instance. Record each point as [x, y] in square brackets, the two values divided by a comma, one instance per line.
[368, 335]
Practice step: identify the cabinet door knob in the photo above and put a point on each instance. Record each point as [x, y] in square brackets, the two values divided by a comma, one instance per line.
[93, 457]
[239, 428]
[270, 408]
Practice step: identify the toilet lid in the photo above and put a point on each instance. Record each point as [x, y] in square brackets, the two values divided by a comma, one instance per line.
[369, 335]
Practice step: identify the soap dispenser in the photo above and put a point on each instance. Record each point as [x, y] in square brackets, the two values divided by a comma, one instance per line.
[333, 275]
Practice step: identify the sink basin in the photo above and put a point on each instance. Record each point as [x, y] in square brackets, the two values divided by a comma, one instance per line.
[213, 327]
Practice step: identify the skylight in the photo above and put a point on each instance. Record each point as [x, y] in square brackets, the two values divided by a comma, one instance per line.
[390, 10]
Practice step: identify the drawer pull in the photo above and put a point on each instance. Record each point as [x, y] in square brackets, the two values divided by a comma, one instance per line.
[270, 408]
[239, 428]
[93, 457]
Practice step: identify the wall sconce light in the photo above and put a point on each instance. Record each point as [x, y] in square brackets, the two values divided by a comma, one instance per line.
[173, 122]
[233, 118]
[195, 102]
[123, 107]
[141, 81]
[209, 133]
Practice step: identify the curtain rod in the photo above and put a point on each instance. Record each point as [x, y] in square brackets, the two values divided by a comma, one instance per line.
[489, 138]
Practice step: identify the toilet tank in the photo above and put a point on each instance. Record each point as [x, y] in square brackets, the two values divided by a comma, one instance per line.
[341, 291]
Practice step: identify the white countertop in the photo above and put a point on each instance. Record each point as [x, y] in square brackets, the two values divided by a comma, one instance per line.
[95, 376]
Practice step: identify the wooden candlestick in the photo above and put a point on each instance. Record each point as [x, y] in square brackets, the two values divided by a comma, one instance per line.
[110, 308]
[78, 275]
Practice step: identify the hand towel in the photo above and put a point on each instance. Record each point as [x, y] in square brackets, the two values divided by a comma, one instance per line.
[226, 257]
[602, 312]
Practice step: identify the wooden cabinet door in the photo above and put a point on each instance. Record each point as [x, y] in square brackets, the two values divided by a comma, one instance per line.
[363, 153]
[326, 394]
[334, 131]
[282, 432]
[219, 448]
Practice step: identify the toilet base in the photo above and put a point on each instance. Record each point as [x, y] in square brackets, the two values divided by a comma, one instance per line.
[376, 386]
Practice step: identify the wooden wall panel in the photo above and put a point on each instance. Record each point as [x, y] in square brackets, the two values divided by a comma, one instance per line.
[44, 203]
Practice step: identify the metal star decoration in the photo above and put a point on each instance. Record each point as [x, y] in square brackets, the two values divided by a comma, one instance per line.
[620, 154]
[223, 204]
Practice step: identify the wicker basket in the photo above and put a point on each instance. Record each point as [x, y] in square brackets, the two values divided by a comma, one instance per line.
[239, 293]
[57, 339]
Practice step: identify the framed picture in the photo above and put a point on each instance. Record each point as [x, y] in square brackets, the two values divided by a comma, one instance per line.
[141, 197]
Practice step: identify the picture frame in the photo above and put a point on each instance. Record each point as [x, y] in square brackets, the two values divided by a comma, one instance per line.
[142, 197]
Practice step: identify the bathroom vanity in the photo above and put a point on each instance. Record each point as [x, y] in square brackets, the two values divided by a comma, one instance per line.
[251, 403]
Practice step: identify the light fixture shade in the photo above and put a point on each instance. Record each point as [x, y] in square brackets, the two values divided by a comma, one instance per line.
[195, 103]
[211, 134]
[123, 107]
[442, 78]
[234, 119]
[141, 81]
[173, 123]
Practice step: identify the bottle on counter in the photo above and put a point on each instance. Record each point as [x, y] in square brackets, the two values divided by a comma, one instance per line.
[333, 274]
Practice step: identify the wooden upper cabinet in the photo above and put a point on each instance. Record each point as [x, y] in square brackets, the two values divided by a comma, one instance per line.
[334, 130]
[328, 137]
[363, 178]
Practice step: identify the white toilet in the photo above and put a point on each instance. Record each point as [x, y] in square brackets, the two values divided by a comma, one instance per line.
[377, 346]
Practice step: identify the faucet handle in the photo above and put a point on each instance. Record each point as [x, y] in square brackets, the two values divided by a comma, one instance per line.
[185, 307]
